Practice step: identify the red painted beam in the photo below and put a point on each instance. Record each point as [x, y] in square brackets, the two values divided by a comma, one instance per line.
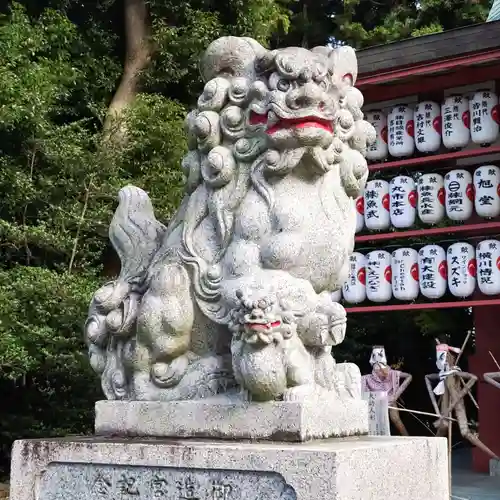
[429, 68]
[424, 84]
[424, 160]
[480, 229]
[423, 306]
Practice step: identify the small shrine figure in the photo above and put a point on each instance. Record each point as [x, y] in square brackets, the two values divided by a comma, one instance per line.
[384, 379]
[452, 394]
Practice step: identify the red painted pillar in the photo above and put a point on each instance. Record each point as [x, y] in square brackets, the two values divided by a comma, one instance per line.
[487, 329]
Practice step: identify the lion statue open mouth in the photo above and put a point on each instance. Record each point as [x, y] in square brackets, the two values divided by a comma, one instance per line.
[275, 161]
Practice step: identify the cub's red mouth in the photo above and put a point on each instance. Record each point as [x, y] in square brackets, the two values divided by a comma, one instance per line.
[284, 123]
[263, 326]
[257, 119]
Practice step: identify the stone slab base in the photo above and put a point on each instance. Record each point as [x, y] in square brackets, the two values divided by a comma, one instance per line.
[365, 468]
[277, 420]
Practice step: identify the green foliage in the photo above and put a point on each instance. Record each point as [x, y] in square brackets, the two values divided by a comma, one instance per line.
[59, 189]
[181, 32]
[152, 156]
[37, 326]
[44, 372]
[368, 22]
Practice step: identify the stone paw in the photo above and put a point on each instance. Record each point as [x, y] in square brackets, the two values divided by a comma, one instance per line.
[337, 323]
[244, 395]
[337, 333]
[169, 374]
[299, 393]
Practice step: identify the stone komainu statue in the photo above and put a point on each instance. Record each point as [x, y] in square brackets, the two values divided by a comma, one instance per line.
[234, 296]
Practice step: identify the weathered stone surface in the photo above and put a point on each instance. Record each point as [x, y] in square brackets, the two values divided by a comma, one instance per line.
[275, 420]
[368, 468]
[81, 481]
[494, 467]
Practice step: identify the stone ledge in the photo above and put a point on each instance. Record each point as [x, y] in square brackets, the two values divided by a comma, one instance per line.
[374, 468]
[277, 421]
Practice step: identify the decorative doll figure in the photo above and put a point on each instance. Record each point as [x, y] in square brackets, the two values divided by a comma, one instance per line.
[452, 394]
[384, 378]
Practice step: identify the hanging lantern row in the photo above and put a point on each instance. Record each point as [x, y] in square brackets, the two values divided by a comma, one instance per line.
[456, 195]
[457, 121]
[379, 275]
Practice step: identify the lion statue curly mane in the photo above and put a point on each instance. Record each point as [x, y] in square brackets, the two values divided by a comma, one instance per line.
[233, 298]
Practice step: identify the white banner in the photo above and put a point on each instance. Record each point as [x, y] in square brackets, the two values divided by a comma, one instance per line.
[378, 413]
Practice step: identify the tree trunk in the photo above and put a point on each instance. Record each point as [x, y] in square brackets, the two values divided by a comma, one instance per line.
[137, 57]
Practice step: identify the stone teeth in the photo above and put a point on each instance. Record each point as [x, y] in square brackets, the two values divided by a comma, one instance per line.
[272, 118]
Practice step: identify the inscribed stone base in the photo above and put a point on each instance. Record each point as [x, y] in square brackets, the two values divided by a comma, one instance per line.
[365, 468]
[277, 420]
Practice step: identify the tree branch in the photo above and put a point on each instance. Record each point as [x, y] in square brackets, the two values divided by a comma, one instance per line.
[25, 211]
[137, 58]
[80, 222]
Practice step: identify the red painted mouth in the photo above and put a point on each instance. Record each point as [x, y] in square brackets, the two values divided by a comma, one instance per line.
[304, 122]
[263, 326]
[257, 119]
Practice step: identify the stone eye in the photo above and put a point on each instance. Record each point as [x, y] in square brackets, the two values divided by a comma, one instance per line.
[283, 85]
[261, 304]
[348, 79]
[323, 84]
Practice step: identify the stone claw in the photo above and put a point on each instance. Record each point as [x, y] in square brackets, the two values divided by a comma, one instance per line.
[299, 392]
[169, 374]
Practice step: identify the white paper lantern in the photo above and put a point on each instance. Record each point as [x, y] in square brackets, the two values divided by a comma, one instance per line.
[486, 191]
[336, 296]
[377, 203]
[456, 121]
[404, 265]
[401, 131]
[488, 267]
[354, 289]
[483, 107]
[431, 198]
[378, 150]
[360, 213]
[403, 197]
[378, 276]
[462, 269]
[427, 118]
[459, 194]
[432, 271]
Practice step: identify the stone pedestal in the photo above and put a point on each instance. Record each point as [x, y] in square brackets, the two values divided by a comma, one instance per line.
[222, 419]
[365, 468]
